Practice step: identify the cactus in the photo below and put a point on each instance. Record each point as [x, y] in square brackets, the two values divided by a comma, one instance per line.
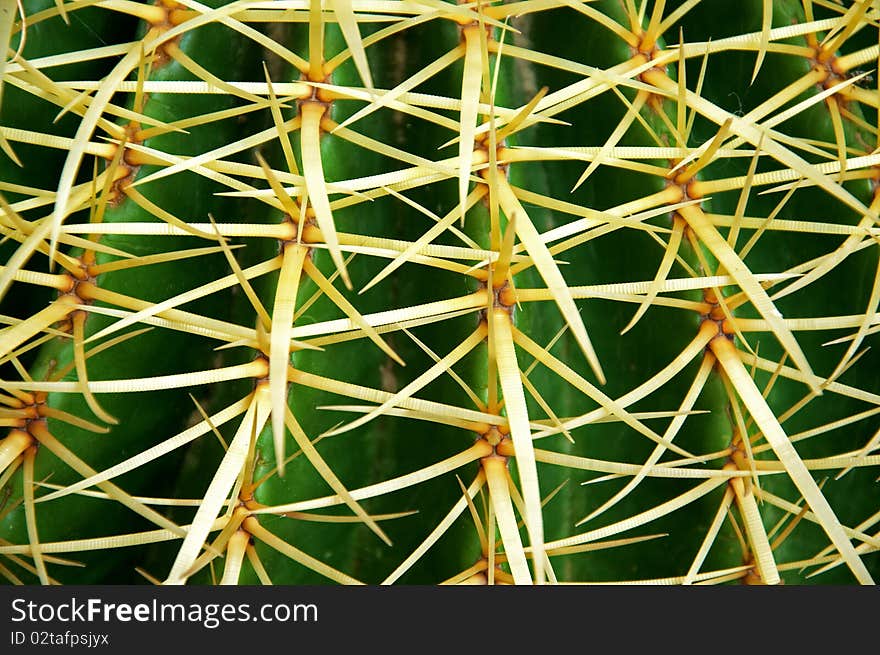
[545, 291]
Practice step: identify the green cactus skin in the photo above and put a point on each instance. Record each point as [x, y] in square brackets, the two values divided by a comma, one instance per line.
[64, 520]
[636, 355]
[382, 453]
[845, 289]
[718, 521]
[91, 28]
